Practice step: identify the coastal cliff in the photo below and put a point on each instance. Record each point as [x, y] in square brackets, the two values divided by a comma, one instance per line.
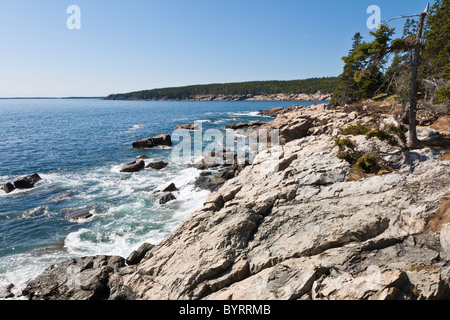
[293, 226]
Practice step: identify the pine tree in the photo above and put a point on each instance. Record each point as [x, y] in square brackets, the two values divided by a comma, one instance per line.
[435, 57]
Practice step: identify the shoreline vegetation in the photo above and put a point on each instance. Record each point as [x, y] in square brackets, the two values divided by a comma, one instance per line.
[319, 89]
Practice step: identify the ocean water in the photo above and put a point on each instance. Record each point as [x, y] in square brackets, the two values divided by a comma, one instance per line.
[78, 146]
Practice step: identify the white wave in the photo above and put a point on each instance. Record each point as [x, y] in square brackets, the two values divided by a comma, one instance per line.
[132, 129]
[20, 268]
[127, 219]
[247, 114]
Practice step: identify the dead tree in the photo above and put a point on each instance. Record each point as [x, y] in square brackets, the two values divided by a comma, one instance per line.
[414, 142]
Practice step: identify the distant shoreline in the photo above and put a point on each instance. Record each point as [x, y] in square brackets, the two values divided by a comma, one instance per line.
[271, 97]
[50, 98]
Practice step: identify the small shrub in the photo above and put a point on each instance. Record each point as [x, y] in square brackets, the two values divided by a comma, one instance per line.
[349, 156]
[398, 132]
[342, 144]
[367, 163]
[358, 129]
[347, 150]
[383, 136]
[375, 118]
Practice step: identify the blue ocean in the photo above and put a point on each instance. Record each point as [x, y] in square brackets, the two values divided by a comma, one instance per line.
[78, 146]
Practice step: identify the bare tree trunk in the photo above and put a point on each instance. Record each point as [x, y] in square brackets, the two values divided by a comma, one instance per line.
[414, 143]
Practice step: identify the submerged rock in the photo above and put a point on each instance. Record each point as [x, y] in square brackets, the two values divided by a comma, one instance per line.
[79, 214]
[34, 213]
[165, 198]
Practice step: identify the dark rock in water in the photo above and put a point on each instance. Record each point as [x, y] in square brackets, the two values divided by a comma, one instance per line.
[236, 126]
[33, 213]
[137, 255]
[61, 197]
[164, 198]
[6, 292]
[8, 187]
[133, 166]
[157, 165]
[205, 173]
[89, 278]
[162, 140]
[78, 214]
[170, 188]
[27, 182]
[144, 143]
[159, 140]
[143, 157]
[187, 127]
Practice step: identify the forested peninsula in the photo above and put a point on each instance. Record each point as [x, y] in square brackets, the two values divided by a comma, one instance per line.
[308, 89]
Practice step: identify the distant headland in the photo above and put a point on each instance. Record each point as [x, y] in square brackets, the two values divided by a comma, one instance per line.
[293, 90]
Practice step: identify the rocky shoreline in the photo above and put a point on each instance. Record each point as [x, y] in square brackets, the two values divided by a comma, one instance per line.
[294, 226]
[249, 97]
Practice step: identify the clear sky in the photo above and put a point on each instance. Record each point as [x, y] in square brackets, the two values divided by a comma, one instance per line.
[129, 45]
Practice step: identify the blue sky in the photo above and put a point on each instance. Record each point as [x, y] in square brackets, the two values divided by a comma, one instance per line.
[132, 45]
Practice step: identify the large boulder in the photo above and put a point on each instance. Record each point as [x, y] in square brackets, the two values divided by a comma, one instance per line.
[427, 133]
[144, 143]
[27, 182]
[165, 197]
[162, 140]
[136, 256]
[83, 279]
[8, 187]
[159, 140]
[157, 165]
[133, 166]
[170, 188]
